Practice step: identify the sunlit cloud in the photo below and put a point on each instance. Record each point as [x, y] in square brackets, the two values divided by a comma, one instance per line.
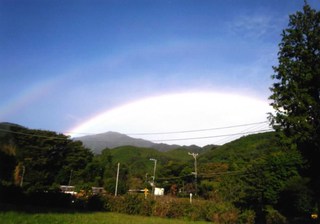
[178, 113]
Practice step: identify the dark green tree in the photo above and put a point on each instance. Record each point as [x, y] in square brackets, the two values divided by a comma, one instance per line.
[100, 164]
[267, 177]
[42, 160]
[7, 163]
[296, 91]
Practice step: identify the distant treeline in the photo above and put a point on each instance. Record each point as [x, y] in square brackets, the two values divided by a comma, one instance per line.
[252, 175]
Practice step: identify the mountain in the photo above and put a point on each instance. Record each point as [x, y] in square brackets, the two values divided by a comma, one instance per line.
[112, 140]
[243, 150]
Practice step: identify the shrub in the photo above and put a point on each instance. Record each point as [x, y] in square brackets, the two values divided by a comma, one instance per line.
[115, 204]
[11, 194]
[178, 209]
[273, 216]
[161, 207]
[147, 207]
[96, 203]
[247, 217]
[133, 204]
[221, 212]
[198, 210]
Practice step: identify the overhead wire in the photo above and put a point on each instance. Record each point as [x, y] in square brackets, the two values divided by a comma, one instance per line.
[259, 126]
[204, 175]
[213, 136]
[173, 132]
[197, 130]
[176, 132]
[33, 135]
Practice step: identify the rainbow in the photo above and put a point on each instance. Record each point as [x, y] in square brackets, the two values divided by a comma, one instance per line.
[27, 96]
[179, 112]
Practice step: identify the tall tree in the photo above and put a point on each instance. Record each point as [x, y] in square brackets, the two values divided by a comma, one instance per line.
[296, 91]
[7, 163]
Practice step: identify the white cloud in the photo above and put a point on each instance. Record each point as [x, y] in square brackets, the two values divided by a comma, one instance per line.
[254, 26]
[181, 112]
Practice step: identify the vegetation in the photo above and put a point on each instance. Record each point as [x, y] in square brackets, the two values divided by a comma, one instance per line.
[251, 178]
[259, 178]
[40, 160]
[296, 92]
[83, 218]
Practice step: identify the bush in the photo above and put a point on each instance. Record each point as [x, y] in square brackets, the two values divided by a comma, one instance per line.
[221, 212]
[49, 199]
[198, 210]
[137, 204]
[96, 203]
[178, 209]
[247, 217]
[161, 207]
[133, 204]
[114, 204]
[147, 207]
[11, 194]
[273, 216]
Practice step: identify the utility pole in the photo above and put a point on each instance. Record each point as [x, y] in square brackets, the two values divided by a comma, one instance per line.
[117, 180]
[194, 155]
[70, 178]
[154, 174]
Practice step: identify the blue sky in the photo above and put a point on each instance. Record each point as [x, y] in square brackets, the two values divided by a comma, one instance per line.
[63, 62]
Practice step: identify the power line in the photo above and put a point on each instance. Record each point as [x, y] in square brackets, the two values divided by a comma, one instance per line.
[173, 139]
[200, 137]
[214, 136]
[176, 132]
[198, 130]
[174, 178]
[254, 128]
[33, 135]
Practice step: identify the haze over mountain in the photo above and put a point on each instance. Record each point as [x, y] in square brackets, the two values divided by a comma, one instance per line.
[110, 139]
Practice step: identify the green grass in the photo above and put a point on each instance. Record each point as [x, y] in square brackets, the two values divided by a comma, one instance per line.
[83, 218]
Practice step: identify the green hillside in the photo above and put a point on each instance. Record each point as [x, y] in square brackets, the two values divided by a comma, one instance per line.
[243, 150]
[252, 172]
[137, 160]
[180, 154]
[132, 154]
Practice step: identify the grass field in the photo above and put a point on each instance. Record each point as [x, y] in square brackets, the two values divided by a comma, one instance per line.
[82, 218]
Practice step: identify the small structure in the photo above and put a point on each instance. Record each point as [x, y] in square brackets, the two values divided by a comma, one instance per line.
[158, 191]
[98, 190]
[67, 189]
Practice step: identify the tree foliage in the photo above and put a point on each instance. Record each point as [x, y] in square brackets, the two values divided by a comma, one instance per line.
[7, 163]
[296, 91]
[267, 177]
[40, 160]
[250, 173]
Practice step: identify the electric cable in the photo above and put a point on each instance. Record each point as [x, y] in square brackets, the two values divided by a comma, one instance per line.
[171, 139]
[197, 130]
[214, 136]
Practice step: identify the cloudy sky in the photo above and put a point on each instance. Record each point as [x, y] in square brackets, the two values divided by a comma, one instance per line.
[64, 64]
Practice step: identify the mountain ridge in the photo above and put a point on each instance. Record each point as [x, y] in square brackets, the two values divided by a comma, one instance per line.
[111, 139]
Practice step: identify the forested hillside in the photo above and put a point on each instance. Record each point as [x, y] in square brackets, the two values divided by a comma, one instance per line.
[111, 140]
[252, 172]
[40, 160]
